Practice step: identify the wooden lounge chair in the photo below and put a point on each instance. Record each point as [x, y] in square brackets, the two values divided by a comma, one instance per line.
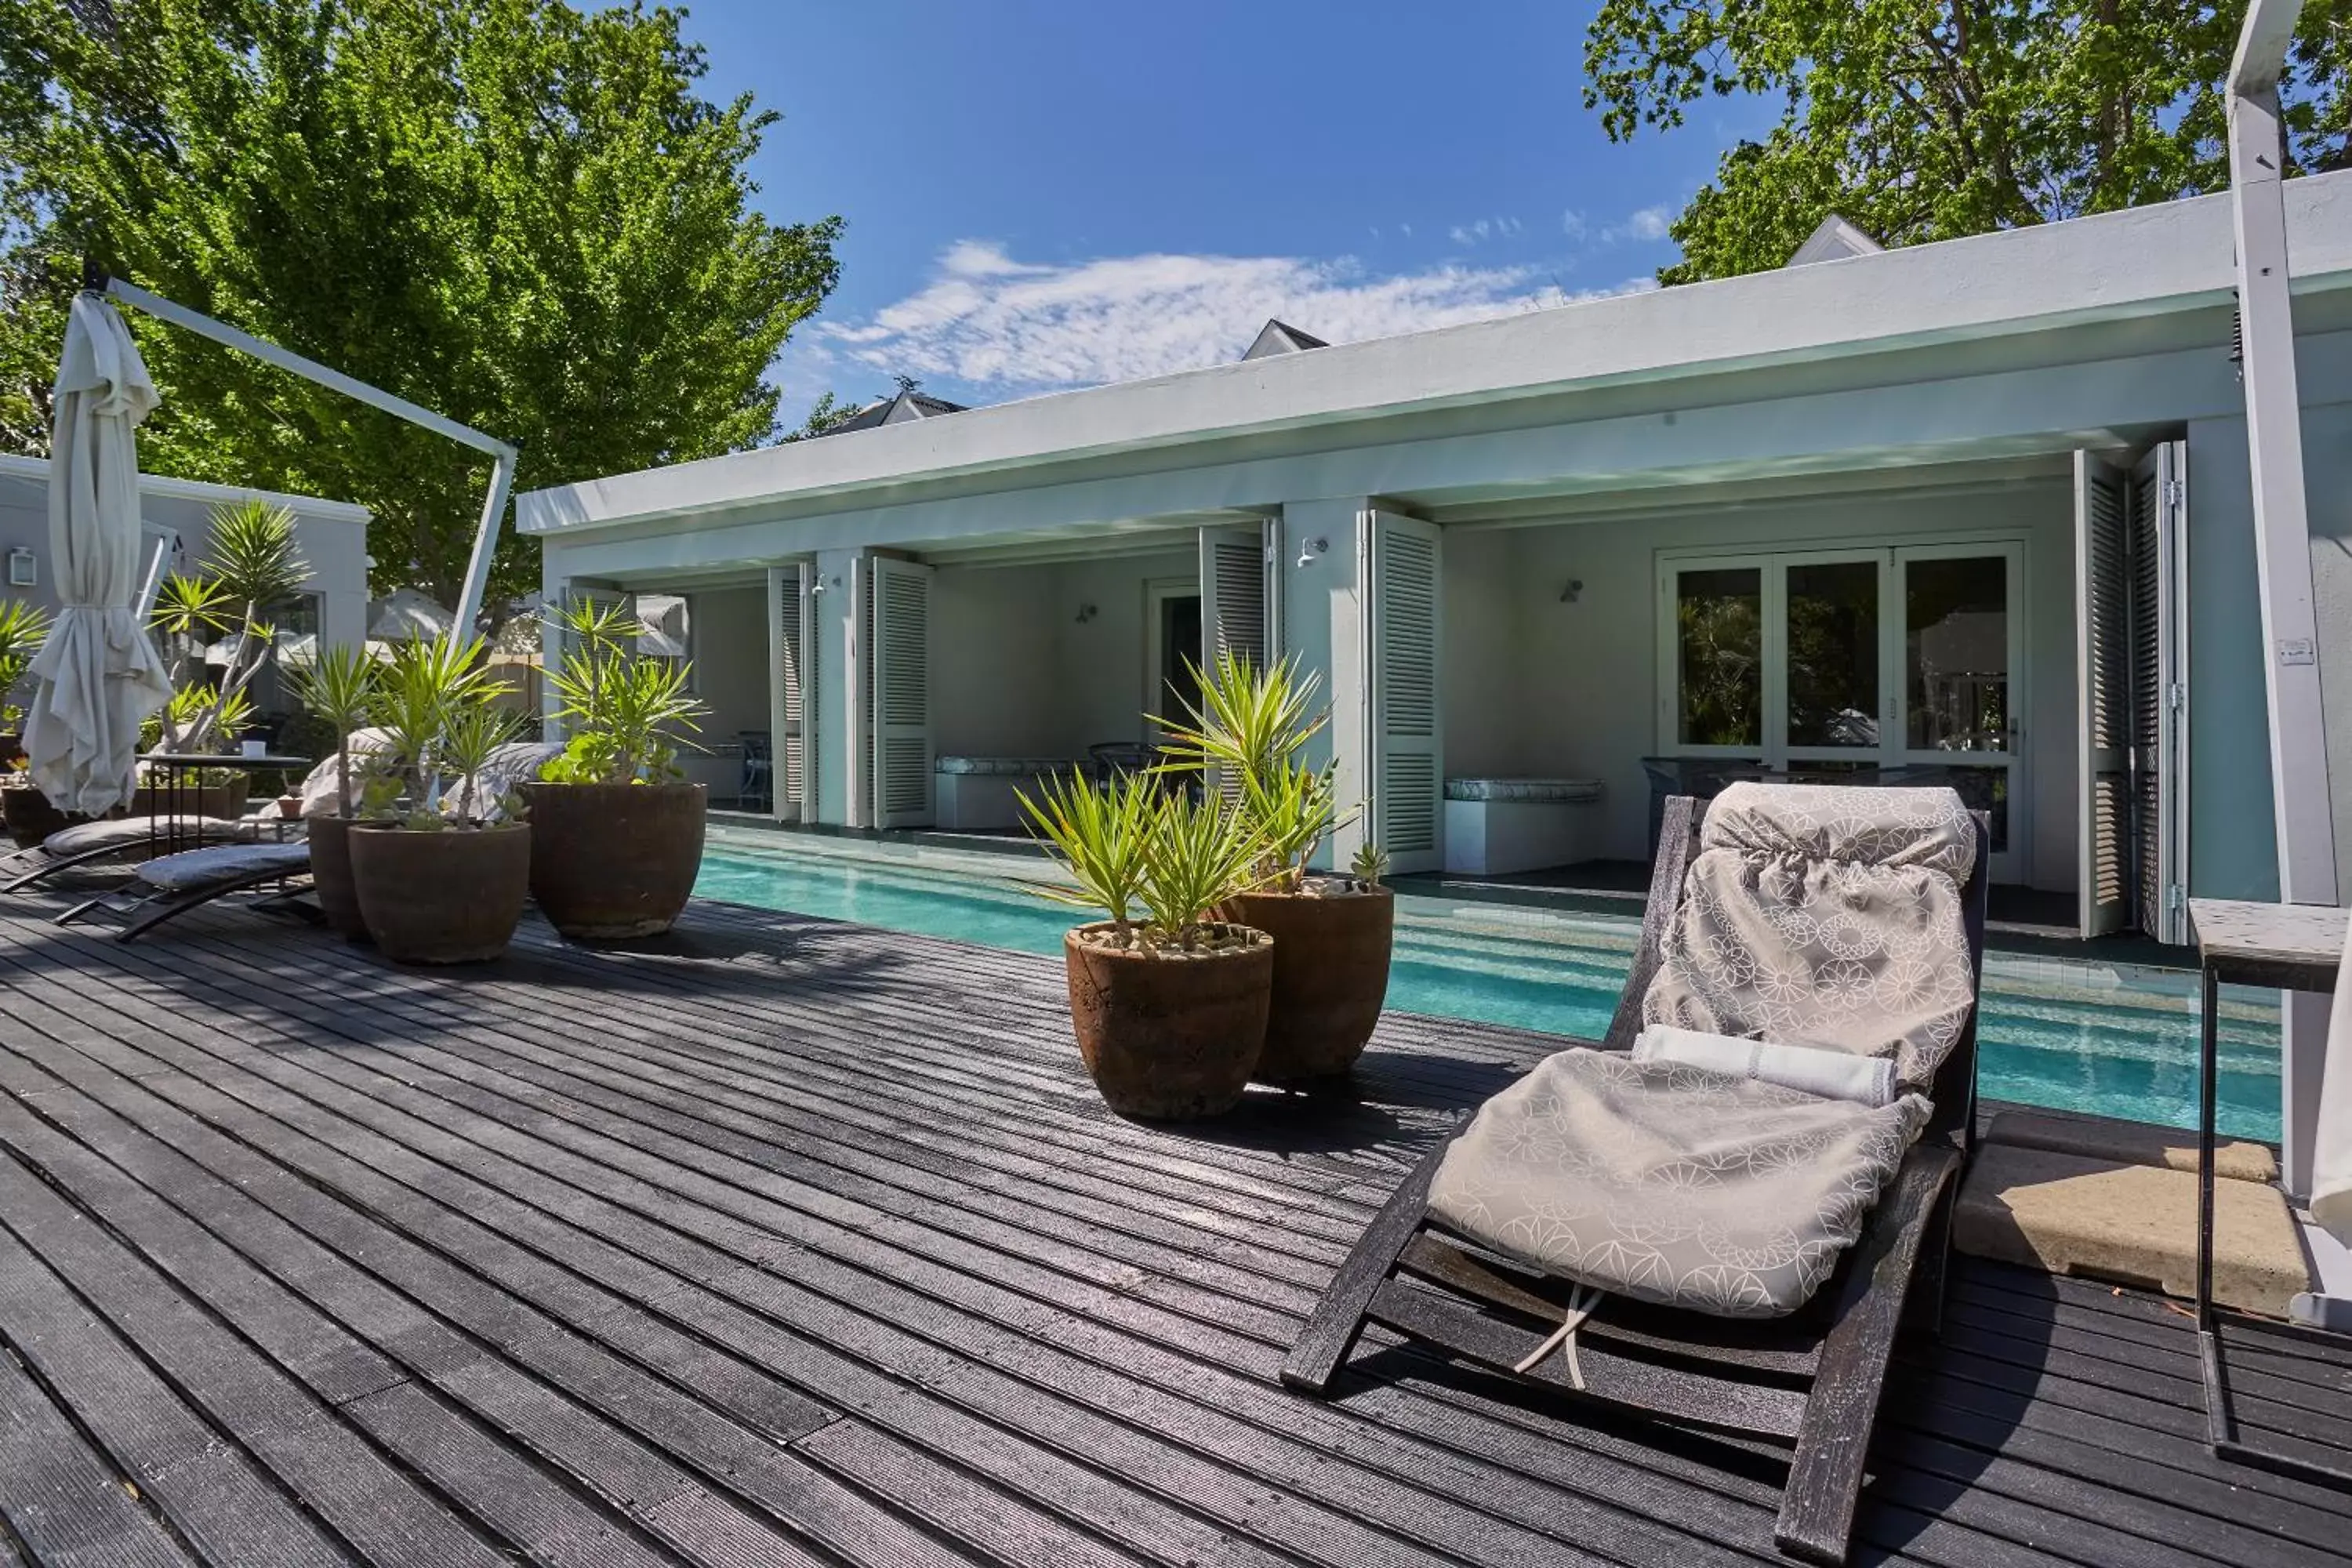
[171, 885]
[1808, 1382]
[116, 838]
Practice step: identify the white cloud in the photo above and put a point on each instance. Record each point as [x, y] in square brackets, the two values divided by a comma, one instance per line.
[993, 322]
[1571, 224]
[1649, 224]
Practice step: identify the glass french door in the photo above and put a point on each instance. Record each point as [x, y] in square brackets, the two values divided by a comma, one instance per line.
[1820, 663]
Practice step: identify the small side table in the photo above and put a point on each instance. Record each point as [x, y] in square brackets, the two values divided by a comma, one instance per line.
[170, 793]
[2289, 947]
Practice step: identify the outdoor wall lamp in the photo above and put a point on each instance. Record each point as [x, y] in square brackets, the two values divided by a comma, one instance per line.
[1575, 589]
[1309, 549]
[23, 568]
[1086, 612]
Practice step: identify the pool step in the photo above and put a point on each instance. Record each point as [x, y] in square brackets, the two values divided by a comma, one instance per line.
[2112, 1217]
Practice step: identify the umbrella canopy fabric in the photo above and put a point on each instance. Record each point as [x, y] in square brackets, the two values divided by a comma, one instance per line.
[100, 676]
[406, 614]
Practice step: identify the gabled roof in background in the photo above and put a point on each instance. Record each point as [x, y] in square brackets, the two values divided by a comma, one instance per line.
[895, 411]
[1833, 240]
[1281, 338]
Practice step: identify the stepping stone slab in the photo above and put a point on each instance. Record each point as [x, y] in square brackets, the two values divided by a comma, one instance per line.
[2136, 1225]
[2130, 1143]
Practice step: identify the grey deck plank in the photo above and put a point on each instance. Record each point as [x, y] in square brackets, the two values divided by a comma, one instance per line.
[779, 1167]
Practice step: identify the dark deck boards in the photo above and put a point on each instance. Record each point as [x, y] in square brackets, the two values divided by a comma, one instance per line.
[786, 1242]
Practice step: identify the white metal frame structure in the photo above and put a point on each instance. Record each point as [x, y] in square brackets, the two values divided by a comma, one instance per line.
[2298, 735]
[503, 455]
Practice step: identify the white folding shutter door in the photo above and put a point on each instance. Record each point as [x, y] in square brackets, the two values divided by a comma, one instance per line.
[1408, 774]
[1232, 593]
[2160, 515]
[2103, 673]
[791, 750]
[902, 694]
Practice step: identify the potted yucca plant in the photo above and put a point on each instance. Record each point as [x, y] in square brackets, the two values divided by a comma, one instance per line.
[1167, 999]
[616, 831]
[440, 872]
[338, 686]
[1332, 934]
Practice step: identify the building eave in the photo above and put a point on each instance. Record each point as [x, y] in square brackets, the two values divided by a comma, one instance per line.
[2114, 265]
[13, 466]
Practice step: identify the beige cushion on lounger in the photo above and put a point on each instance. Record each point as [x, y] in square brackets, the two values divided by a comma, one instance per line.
[130, 831]
[319, 797]
[1670, 1183]
[1815, 915]
[193, 869]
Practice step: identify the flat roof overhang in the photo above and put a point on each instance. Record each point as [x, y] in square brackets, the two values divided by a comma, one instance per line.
[2112, 268]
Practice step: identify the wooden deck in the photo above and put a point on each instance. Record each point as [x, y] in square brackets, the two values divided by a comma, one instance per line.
[795, 1243]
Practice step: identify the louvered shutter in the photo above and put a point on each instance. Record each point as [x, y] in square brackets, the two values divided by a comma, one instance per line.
[2102, 672]
[1407, 808]
[901, 694]
[2160, 642]
[788, 602]
[1232, 593]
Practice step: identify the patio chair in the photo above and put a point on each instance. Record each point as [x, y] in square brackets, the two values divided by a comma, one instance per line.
[124, 838]
[1720, 1252]
[756, 791]
[169, 886]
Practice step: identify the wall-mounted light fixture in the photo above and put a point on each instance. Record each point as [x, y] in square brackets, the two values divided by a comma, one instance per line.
[1086, 612]
[1309, 549]
[23, 568]
[1574, 591]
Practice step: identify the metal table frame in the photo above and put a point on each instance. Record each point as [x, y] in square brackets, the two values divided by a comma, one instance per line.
[2283, 969]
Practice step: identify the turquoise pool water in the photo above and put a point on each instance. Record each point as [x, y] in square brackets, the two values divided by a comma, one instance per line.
[2116, 1040]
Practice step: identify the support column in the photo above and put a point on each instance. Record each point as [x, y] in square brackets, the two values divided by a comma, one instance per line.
[1318, 568]
[837, 775]
[2299, 799]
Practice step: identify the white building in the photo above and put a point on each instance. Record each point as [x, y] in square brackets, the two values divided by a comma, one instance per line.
[1944, 505]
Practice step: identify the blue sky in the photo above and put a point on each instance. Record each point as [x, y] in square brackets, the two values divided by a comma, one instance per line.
[1043, 194]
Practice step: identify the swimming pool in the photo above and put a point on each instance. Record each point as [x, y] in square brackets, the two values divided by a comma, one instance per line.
[2114, 1039]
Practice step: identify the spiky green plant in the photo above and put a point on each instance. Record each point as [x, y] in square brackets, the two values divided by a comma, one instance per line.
[469, 742]
[1249, 731]
[625, 712]
[251, 567]
[426, 690]
[1197, 854]
[1099, 837]
[340, 686]
[24, 629]
[1131, 844]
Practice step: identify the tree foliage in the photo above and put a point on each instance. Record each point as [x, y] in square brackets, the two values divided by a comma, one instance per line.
[1923, 120]
[516, 214]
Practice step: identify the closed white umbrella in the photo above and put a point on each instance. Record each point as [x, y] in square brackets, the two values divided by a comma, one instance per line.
[100, 676]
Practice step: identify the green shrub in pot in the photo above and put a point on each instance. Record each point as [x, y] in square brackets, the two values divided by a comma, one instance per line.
[340, 688]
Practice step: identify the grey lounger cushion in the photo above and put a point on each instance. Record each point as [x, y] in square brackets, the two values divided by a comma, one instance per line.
[131, 832]
[1672, 1185]
[195, 869]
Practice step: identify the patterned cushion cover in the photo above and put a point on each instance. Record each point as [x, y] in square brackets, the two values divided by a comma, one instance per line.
[1811, 916]
[1571, 789]
[1001, 767]
[193, 869]
[1815, 915]
[1670, 1183]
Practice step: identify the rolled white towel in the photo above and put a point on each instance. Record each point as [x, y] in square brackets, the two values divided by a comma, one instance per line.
[1833, 1075]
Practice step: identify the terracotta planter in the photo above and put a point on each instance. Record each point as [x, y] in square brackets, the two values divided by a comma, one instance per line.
[1168, 1039]
[1330, 976]
[331, 875]
[612, 861]
[447, 896]
[31, 817]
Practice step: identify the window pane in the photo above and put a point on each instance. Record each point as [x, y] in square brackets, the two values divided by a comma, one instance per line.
[1833, 654]
[1955, 653]
[1719, 618]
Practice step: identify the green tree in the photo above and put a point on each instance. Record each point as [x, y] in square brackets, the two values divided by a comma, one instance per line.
[1923, 120]
[521, 216]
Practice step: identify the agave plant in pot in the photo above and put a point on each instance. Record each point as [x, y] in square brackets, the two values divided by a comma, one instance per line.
[439, 871]
[339, 687]
[1332, 935]
[616, 832]
[1170, 1008]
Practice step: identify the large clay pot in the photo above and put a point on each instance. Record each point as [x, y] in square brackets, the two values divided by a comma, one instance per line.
[30, 816]
[612, 861]
[447, 896]
[1169, 1038]
[1330, 975]
[331, 874]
